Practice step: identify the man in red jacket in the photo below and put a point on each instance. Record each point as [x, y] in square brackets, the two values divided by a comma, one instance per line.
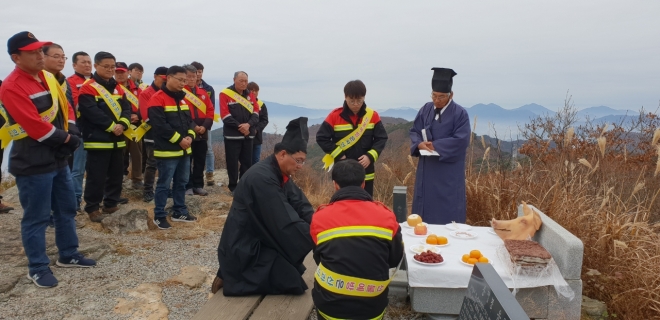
[201, 110]
[37, 114]
[82, 65]
[240, 114]
[160, 76]
[133, 151]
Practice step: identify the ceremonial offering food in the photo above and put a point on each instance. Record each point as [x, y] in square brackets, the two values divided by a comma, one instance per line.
[414, 219]
[436, 240]
[429, 257]
[420, 229]
[463, 234]
[419, 248]
[473, 257]
[527, 254]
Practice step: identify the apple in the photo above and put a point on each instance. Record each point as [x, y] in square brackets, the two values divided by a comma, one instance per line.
[414, 219]
[420, 229]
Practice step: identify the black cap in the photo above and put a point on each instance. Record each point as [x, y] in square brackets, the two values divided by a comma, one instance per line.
[121, 66]
[296, 135]
[442, 79]
[160, 71]
[24, 41]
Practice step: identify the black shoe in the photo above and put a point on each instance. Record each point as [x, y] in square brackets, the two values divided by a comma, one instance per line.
[162, 223]
[200, 192]
[183, 218]
[123, 200]
[148, 196]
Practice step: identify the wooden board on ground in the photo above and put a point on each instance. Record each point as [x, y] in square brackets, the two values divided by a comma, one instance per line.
[228, 308]
[288, 307]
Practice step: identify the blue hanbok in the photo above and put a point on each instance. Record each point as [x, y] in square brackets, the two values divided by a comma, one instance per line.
[440, 180]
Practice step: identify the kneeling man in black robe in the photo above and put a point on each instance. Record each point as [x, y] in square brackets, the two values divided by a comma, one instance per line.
[266, 236]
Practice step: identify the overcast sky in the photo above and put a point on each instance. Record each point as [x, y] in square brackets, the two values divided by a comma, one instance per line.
[509, 53]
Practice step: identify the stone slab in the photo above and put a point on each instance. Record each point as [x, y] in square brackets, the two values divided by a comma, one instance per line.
[561, 308]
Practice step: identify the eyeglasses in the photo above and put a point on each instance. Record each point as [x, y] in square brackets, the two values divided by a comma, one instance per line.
[58, 57]
[355, 101]
[179, 79]
[298, 161]
[442, 97]
[108, 67]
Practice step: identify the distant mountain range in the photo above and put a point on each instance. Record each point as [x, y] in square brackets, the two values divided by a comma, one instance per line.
[491, 118]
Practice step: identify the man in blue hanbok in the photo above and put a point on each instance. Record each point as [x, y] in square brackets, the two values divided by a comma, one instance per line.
[439, 137]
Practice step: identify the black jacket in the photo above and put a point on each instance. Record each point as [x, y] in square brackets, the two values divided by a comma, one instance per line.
[371, 143]
[210, 91]
[266, 236]
[261, 125]
[171, 122]
[97, 119]
[368, 254]
[233, 114]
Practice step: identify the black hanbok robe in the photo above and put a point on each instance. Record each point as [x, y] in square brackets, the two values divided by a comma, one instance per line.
[266, 236]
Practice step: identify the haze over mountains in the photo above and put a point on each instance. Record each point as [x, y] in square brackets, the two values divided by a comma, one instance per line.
[491, 118]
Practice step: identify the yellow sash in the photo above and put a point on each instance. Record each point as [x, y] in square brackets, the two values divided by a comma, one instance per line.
[114, 107]
[131, 97]
[143, 86]
[347, 285]
[260, 103]
[16, 132]
[239, 98]
[197, 102]
[141, 131]
[348, 141]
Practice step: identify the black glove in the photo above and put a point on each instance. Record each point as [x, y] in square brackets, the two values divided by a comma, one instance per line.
[65, 150]
[74, 131]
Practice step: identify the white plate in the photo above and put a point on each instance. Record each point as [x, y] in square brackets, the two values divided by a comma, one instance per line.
[434, 245]
[463, 234]
[491, 230]
[406, 226]
[424, 248]
[461, 226]
[411, 232]
[467, 264]
[431, 264]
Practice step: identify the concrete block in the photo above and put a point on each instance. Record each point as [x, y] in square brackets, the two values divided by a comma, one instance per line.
[446, 301]
[561, 308]
[566, 249]
[534, 301]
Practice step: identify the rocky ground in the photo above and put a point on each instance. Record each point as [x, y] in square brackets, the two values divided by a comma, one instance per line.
[142, 273]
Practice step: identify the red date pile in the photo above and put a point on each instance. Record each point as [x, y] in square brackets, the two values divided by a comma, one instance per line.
[429, 257]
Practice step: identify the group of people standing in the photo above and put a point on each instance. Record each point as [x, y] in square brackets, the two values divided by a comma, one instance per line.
[100, 124]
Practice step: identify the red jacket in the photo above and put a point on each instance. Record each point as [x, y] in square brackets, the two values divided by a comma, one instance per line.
[205, 120]
[234, 114]
[76, 81]
[145, 97]
[25, 98]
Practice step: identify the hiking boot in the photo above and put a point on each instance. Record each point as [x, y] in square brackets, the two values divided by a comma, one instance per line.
[200, 192]
[189, 192]
[183, 217]
[110, 210]
[209, 179]
[162, 223]
[137, 185]
[148, 196]
[43, 279]
[123, 200]
[76, 261]
[5, 208]
[96, 216]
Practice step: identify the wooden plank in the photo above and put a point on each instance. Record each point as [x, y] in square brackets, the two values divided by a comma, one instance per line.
[228, 308]
[288, 307]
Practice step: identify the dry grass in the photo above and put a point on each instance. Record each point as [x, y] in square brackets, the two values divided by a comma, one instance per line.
[598, 181]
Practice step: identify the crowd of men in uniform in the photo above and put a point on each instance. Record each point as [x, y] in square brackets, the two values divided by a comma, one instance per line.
[110, 124]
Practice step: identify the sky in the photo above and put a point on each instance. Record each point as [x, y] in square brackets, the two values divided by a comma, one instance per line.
[510, 53]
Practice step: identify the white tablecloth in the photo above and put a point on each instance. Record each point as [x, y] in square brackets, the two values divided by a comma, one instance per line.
[452, 273]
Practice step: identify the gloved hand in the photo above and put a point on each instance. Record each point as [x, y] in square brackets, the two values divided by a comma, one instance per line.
[66, 149]
[74, 131]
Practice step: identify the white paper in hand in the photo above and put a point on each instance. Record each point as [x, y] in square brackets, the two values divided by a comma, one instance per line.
[426, 152]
